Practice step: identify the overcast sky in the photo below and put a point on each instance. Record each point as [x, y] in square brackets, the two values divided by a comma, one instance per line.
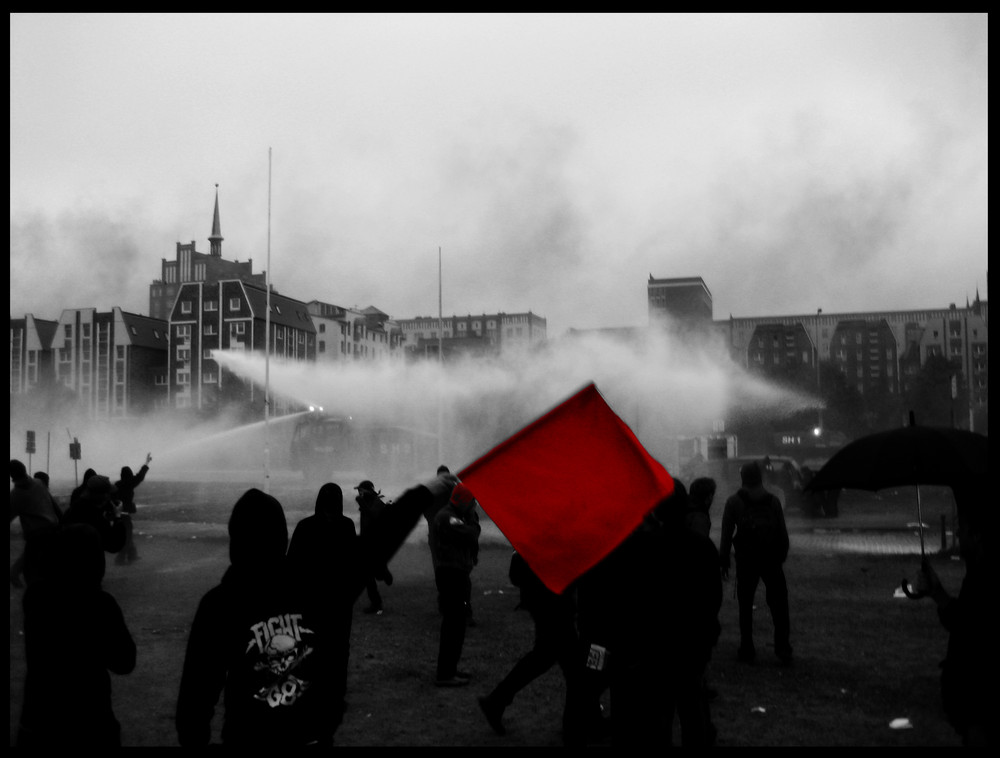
[793, 162]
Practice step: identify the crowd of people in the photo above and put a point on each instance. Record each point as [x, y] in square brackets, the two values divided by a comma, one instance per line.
[273, 638]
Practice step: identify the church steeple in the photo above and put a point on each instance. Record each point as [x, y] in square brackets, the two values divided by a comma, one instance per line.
[215, 240]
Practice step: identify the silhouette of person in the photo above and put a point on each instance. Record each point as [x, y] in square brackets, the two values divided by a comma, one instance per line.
[324, 550]
[370, 506]
[126, 494]
[99, 507]
[78, 491]
[456, 540]
[761, 541]
[31, 503]
[261, 637]
[662, 595]
[970, 670]
[556, 642]
[701, 495]
[67, 688]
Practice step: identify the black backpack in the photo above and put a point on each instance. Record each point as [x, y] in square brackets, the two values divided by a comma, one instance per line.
[757, 529]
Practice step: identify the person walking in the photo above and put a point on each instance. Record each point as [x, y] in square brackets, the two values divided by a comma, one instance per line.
[753, 522]
[31, 503]
[324, 550]
[456, 539]
[370, 507]
[126, 494]
[556, 642]
[74, 635]
[650, 611]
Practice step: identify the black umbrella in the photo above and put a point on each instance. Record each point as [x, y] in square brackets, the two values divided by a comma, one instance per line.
[910, 455]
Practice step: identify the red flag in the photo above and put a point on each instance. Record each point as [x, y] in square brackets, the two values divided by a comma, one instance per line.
[568, 488]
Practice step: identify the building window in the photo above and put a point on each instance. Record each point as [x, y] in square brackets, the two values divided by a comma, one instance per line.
[185, 306]
[183, 354]
[183, 330]
[322, 328]
[211, 305]
[322, 346]
[208, 377]
[240, 327]
[209, 329]
[184, 378]
[234, 303]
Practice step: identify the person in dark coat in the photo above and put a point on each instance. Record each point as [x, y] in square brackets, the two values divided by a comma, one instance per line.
[556, 642]
[78, 491]
[324, 550]
[971, 667]
[761, 541]
[261, 634]
[656, 599]
[456, 541]
[261, 637]
[701, 495]
[74, 634]
[98, 506]
[370, 507]
[31, 503]
[126, 494]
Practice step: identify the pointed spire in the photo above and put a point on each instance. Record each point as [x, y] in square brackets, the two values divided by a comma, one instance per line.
[215, 240]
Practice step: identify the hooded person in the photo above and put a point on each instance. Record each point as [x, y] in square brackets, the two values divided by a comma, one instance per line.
[98, 506]
[259, 637]
[370, 508]
[324, 551]
[78, 491]
[126, 494]
[67, 689]
[456, 551]
[753, 521]
[31, 503]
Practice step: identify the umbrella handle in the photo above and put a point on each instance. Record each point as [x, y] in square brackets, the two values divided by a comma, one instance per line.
[909, 593]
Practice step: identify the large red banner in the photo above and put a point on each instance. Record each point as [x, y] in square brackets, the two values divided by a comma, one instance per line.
[569, 487]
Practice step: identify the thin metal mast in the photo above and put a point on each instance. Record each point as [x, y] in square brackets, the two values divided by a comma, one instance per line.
[267, 341]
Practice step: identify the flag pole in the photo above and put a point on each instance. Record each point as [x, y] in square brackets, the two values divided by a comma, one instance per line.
[267, 341]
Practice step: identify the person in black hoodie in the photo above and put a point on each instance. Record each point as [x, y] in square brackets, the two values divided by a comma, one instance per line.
[126, 493]
[99, 507]
[324, 550]
[74, 634]
[262, 636]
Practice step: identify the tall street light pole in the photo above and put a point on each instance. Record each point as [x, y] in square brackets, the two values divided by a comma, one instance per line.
[819, 423]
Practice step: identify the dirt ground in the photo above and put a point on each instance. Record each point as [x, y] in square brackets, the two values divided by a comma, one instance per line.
[863, 657]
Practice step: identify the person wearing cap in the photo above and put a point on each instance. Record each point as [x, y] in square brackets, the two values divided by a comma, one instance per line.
[99, 507]
[30, 502]
[754, 523]
[456, 539]
[370, 506]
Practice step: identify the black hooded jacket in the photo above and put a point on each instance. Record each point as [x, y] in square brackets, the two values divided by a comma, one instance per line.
[263, 636]
[74, 634]
[257, 636]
